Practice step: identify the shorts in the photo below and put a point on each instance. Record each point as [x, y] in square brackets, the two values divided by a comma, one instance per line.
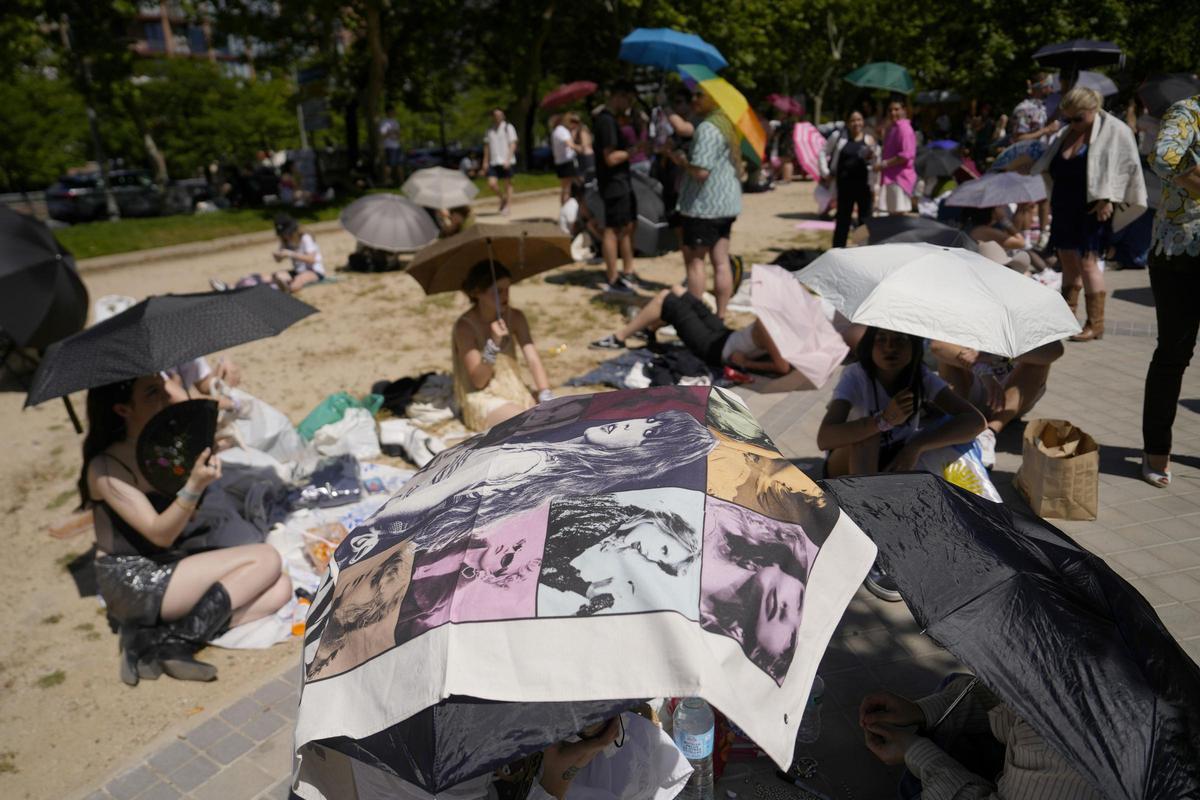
[700, 232]
[620, 211]
[566, 169]
[133, 587]
[499, 171]
[393, 156]
[895, 199]
[698, 328]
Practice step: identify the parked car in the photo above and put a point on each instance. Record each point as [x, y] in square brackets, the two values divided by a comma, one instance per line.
[182, 196]
[80, 198]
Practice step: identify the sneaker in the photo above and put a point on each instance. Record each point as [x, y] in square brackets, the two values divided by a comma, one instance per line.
[629, 281]
[619, 286]
[218, 285]
[882, 585]
[987, 447]
[610, 342]
[1043, 240]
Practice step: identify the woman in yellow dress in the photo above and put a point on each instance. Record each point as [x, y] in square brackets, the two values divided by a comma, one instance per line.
[487, 380]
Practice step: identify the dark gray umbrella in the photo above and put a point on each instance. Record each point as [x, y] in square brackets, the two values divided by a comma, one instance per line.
[1046, 625]
[1161, 91]
[1076, 54]
[934, 162]
[42, 298]
[880, 228]
[162, 332]
[948, 237]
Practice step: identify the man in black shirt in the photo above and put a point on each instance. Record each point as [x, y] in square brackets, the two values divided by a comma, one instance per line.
[616, 188]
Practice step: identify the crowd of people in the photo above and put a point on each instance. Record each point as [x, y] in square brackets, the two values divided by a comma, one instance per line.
[897, 399]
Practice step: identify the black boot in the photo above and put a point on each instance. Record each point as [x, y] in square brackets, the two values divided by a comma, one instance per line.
[180, 640]
[138, 658]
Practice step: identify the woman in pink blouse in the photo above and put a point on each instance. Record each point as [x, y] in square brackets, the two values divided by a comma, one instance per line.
[899, 152]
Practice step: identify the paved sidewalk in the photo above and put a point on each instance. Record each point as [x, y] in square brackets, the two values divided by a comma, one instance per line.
[1148, 535]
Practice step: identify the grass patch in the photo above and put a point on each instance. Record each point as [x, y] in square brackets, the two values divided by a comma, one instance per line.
[93, 239]
[65, 560]
[51, 679]
[61, 499]
[53, 619]
[8, 762]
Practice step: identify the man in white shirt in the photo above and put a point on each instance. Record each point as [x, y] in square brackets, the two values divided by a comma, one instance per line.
[500, 156]
[393, 153]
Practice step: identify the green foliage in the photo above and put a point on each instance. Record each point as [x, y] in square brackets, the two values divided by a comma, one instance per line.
[44, 129]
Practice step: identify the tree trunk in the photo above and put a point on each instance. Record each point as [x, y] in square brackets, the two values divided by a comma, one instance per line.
[350, 113]
[526, 83]
[156, 157]
[378, 70]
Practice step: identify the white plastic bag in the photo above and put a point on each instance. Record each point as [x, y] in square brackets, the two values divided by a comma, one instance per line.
[353, 434]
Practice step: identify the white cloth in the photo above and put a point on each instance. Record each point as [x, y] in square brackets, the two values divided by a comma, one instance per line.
[354, 433]
[567, 215]
[560, 141]
[190, 372]
[856, 388]
[742, 341]
[896, 199]
[308, 247]
[500, 141]
[1114, 168]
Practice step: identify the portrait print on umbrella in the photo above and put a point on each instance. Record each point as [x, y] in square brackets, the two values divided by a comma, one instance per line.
[439, 506]
[752, 585]
[622, 553]
[361, 621]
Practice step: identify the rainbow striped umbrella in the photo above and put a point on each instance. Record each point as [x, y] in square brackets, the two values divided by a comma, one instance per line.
[730, 101]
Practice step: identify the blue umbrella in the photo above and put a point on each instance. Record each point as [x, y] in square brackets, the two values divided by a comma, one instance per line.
[944, 144]
[667, 48]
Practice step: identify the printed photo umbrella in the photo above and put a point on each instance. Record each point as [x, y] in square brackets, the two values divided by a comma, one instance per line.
[1046, 625]
[391, 222]
[941, 293]
[667, 48]
[593, 551]
[998, 189]
[809, 143]
[883, 75]
[42, 298]
[567, 93]
[438, 187]
[796, 323]
[524, 248]
[1162, 91]
[162, 332]
[172, 441]
[1078, 54]
[730, 101]
[934, 162]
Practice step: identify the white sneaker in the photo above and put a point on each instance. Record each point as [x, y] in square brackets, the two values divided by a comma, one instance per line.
[987, 446]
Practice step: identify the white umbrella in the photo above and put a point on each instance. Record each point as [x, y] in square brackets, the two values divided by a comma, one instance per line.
[389, 222]
[943, 293]
[438, 187]
[998, 189]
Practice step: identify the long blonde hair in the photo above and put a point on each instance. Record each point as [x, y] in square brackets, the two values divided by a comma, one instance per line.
[732, 137]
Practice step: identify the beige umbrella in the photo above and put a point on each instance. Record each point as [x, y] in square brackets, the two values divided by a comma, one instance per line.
[438, 187]
[524, 248]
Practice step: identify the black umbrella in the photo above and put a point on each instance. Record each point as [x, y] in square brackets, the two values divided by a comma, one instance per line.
[162, 332]
[42, 298]
[880, 228]
[1161, 91]
[1077, 54]
[1046, 625]
[934, 162]
[948, 237]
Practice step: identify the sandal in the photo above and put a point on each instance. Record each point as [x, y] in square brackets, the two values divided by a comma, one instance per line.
[1160, 479]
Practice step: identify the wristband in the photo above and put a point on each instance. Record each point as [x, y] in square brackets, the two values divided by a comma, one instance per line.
[544, 395]
[490, 351]
[881, 423]
[188, 497]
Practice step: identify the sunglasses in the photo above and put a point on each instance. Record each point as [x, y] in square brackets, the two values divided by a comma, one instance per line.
[1074, 119]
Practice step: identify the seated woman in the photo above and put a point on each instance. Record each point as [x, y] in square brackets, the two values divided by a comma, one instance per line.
[1002, 389]
[295, 244]
[702, 333]
[993, 225]
[453, 220]
[487, 379]
[873, 423]
[167, 604]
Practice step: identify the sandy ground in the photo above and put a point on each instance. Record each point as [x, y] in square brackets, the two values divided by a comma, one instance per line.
[66, 721]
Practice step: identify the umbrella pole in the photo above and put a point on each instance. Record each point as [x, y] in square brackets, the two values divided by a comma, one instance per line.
[72, 415]
[495, 288]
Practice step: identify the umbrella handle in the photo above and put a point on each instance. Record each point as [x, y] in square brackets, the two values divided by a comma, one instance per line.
[71, 413]
[957, 700]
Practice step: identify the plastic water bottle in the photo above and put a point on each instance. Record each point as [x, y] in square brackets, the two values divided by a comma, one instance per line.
[693, 729]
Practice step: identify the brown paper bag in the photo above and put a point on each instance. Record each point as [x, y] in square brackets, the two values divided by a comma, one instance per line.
[1060, 470]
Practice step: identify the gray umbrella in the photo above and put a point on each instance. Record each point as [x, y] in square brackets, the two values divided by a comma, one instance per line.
[438, 187]
[389, 222]
[998, 189]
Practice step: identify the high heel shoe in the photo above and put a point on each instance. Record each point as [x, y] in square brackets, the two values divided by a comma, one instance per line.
[1153, 477]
